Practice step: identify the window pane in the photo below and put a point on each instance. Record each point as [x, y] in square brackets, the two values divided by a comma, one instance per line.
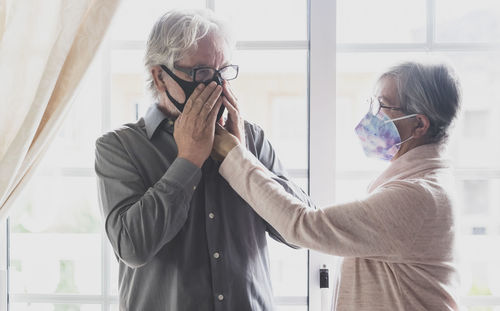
[53, 307]
[113, 273]
[265, 20]
[272, 92]
[288, 269]
[475, 197]
[479, 275]
[74, 143]
[468, 21]
[55, 237]
[129, 96]
[383, 21]
[478, 126]
[134, 19]
[479, 227]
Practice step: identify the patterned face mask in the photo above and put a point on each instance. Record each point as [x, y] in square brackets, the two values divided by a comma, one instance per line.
[379, 136]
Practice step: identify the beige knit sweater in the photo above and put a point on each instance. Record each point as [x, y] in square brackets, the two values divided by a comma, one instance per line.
[398, 242]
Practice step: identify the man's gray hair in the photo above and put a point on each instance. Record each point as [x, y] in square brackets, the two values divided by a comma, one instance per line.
[431, 89]
[175, 33]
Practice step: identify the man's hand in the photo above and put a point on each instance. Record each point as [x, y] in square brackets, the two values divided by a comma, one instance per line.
[194, 130]
[234, 123]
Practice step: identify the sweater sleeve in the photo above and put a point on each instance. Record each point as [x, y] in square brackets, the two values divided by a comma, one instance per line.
[382, 224]
[260, 146]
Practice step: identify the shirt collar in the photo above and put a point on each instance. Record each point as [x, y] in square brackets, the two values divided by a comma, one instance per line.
[153, 118]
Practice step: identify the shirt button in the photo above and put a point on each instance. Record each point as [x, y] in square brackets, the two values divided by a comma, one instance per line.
[216, 255]
[220, 297]
[170, 122]
[211, 215]
[194, 188]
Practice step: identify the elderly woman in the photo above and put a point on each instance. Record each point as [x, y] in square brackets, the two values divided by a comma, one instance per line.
[398, 242]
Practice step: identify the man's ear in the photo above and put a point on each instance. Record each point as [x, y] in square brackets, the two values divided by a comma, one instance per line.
[422, 127]
[157, 74]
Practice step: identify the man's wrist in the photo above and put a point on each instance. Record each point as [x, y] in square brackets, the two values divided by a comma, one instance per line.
[193, 159]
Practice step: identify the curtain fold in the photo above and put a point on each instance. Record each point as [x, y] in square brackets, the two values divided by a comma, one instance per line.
[45, 50]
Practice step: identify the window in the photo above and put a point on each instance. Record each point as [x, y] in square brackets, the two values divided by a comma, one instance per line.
[304, 77]
[466, 33]
[60, 258]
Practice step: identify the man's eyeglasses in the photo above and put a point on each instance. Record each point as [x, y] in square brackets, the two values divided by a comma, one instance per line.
[376, 105]
[204, 74]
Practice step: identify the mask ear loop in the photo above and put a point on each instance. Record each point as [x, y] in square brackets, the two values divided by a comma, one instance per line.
[401, 118]
[179, 81]
[404, 141]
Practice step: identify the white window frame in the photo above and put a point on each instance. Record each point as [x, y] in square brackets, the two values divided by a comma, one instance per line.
[322, 110]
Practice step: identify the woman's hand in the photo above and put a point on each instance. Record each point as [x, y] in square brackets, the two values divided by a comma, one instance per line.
[234, 123]
[223, 143]
[194, 129]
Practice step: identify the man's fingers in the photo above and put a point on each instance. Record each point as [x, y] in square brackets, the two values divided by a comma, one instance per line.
[211, 101]
[228, 92]
[233, 112]
[213, 113]
[201, 99]
[190, 101]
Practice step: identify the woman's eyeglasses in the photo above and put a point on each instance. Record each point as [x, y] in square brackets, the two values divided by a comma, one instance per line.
[376, 105]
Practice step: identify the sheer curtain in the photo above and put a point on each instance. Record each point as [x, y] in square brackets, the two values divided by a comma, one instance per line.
[45, 49]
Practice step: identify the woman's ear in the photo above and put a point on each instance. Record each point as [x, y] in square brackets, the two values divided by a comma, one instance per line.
[422, 127]
[157, 74]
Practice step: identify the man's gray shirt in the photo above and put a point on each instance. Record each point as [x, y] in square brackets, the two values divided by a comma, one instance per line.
[185, 241]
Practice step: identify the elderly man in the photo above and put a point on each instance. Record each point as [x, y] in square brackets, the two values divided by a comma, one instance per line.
[183, 238]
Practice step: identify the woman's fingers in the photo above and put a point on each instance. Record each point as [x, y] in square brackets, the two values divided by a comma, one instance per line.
[219, 129]
[224, 142]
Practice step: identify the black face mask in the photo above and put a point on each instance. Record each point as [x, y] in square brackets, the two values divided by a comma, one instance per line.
[188, 87]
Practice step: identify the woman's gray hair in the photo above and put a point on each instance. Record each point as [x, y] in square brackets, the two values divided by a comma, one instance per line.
[429, 89]
[175, 33]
